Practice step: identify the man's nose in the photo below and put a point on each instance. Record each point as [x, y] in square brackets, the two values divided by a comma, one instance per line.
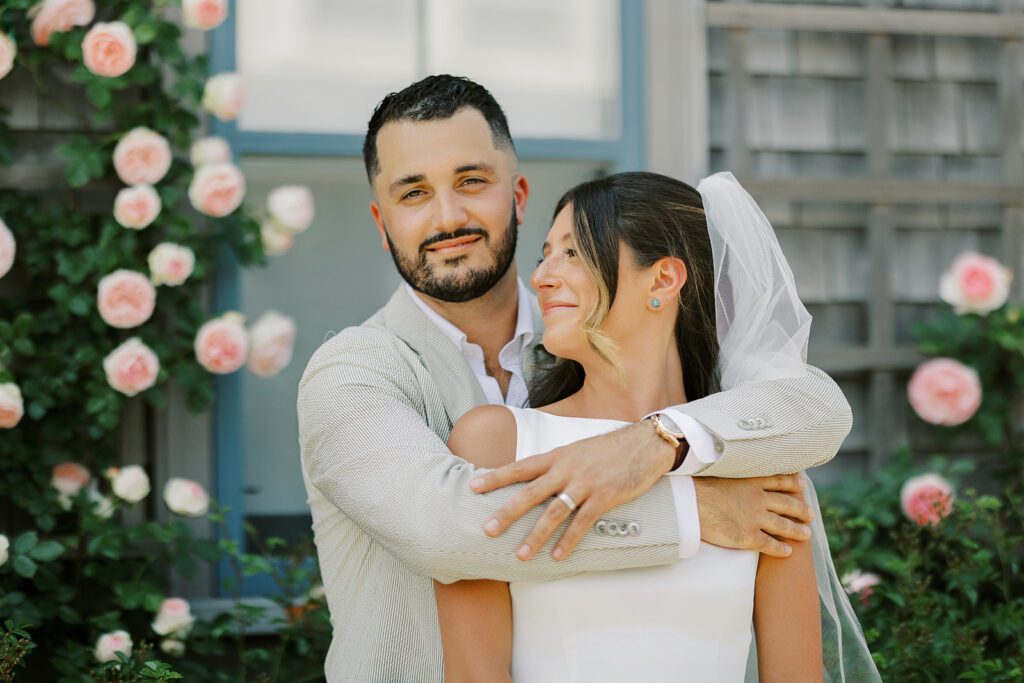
[450, 213]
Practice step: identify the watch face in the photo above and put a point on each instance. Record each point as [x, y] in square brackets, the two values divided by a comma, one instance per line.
[669, 424]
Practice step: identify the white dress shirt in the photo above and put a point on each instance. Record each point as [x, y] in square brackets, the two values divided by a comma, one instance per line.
[704, 449]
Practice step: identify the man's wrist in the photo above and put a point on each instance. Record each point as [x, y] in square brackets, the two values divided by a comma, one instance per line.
[672, 437]
[666, 454]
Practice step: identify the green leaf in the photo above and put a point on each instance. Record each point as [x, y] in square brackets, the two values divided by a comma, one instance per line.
[47, 551]
[24, 566]
[145, 33]
[98, 93]
[26, 542]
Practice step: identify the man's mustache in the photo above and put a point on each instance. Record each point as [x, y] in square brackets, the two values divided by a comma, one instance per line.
[454, 234]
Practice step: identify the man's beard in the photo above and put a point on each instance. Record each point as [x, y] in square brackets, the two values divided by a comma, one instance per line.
[457, 287]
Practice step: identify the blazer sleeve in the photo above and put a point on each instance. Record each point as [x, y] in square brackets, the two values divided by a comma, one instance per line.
[367, 448]
[775, 426]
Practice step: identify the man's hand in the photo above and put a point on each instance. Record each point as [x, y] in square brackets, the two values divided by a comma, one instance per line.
[746, 514]
[597, 473]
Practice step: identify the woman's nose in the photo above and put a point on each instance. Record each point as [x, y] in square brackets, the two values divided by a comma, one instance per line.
[543, 277]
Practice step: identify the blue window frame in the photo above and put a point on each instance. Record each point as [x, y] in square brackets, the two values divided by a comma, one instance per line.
[626, 153]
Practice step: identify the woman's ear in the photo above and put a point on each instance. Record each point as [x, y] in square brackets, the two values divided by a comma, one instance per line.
[669, 277]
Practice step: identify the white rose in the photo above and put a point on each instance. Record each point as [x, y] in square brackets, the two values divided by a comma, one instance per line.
[173, 647]
[186, 497]
[210, 150]
[292, 207]
[170, 264]
[130, 484]
[276, 238]
[111, 643]
[5, 543]
[223, 96]
[174, 618]
[8, 51]
[273, 339]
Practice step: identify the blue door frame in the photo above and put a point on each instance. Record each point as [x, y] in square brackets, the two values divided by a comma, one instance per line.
[626, 153]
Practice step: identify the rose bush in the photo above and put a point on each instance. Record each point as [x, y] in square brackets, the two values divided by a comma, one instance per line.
[937, 566]
[86, 568]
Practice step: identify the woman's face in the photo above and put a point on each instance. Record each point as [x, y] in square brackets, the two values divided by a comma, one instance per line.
[567, 293]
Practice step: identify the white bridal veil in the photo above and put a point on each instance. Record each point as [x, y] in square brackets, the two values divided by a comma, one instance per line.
[763, 330]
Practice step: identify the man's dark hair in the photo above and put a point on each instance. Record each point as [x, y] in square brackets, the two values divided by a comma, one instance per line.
[432, 99]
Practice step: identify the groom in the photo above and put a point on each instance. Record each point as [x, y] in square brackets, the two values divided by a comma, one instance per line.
[393, 508]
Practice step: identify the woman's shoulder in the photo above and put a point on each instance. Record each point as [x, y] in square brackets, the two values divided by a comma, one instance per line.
[485, 436]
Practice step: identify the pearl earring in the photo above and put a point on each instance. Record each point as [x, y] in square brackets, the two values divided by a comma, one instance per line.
[655, 303]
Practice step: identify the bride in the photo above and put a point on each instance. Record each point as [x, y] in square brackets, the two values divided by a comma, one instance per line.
[653, 294]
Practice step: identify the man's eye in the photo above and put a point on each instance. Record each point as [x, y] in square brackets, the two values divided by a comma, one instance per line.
[474, 181]
[412, 193]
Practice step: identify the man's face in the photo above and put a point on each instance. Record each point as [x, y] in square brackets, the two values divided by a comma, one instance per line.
[448, 204]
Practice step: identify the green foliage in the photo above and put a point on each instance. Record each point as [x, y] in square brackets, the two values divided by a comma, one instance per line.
[950, 604]
[73, 571]
[951, 598]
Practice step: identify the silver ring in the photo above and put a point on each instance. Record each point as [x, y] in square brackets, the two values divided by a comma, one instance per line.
[567, 499]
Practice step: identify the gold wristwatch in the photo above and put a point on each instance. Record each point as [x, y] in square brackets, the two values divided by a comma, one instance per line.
[673, 436]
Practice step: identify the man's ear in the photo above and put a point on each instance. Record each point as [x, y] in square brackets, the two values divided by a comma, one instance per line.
[378, 220]
[521, 192]
[669, 277]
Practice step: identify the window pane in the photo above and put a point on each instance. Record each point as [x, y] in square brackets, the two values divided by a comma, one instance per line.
[338, 59]
[335, 276]
[553, 66]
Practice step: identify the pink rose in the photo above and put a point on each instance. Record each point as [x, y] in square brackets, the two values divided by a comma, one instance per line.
[170, 264]
[273, 338]
[8, 51]
[69, 478]
[137, 206]
[125, 299]
[944, 392]
[175, 616]
[132, 367]
[861, 584]
[8, 248]
[276, 239]
[109, 49]
[186, 497]
[209, 150]
[12, 406]
[291, 206]
[217, 189]
[109, 644]
[203, 14]
[222, 344]
[224, 96]
[926, 499]
[975, 284]
[142, 157]
[50, 16]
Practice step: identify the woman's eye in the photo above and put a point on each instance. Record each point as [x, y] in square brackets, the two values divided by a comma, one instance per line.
[571, 253]
[540, 261]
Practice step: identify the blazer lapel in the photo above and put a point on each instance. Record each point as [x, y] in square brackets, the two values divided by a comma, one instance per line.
[459, 388]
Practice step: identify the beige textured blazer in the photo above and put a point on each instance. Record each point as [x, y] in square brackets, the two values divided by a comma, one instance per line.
[392, 507]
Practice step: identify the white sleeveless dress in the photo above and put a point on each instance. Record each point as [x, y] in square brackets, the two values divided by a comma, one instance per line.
[688, 621]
